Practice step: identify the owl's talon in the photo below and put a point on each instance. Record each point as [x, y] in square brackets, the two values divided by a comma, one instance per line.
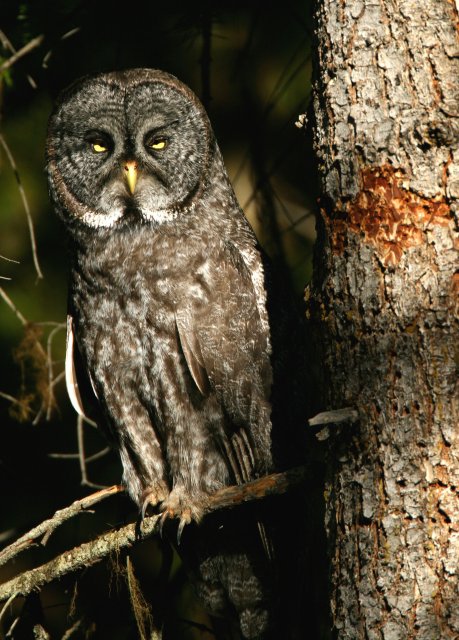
[162, 520]
[152, 496]
[145, 506]
[181, 505]
[184, 520]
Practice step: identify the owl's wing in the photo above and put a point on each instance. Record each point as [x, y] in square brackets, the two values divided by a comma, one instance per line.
[226, 346]
[193, 355]
[80, 387]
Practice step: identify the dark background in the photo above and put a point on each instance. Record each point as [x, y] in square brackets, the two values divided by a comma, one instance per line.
[250, 64]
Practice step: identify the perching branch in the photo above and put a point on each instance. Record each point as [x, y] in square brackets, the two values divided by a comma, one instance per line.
[96, 550]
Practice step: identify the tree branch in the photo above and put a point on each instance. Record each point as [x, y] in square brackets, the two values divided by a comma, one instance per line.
[33, 44]
[25, 202]
[48, 526]
[96, 550]
[326, 419]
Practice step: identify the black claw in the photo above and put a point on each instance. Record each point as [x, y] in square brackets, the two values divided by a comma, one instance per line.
[162, 520]
[180, 529]
[144, 509]
[138, 527]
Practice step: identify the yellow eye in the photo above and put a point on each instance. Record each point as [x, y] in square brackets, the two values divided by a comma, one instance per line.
[98, 148]
[159, 144]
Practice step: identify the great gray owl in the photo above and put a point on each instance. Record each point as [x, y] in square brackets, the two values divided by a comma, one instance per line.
[172, 327]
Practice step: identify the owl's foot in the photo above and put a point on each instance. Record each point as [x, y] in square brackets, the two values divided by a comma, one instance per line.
[182, 505]
[153, 495]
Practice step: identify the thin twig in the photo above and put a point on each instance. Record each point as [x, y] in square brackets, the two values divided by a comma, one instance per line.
[140, 607]
[58, 518]
[6, 44]
[9, 259]
[25, 204]
[100, 454]
[13, 307]
[75, 627]
[60, 376]
[81, 453]
[9, 633]
[75, 456]
[96, 550]
[27, 48]
[7, 396]
[49, 53]
[7, 604]
[85, 482]
[49, 347]
[38, 344]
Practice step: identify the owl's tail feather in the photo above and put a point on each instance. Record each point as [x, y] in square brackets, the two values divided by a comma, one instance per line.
[238, 452]
[231, 574]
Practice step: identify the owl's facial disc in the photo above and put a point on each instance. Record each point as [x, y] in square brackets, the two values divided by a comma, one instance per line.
[124, 148]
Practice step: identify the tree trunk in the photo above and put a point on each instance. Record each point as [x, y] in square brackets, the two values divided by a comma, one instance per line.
[381, 305]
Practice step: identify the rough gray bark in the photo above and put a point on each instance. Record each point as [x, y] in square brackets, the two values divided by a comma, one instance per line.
[381, 308]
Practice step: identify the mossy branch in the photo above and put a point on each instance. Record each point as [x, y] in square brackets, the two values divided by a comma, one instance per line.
[92, 552]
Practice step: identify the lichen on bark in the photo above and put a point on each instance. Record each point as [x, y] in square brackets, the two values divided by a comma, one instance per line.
[381, 310]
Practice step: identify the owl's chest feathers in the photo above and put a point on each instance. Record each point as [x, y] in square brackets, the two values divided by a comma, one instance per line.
[126, 296]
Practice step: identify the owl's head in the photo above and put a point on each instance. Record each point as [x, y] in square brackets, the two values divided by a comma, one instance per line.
[123, 144]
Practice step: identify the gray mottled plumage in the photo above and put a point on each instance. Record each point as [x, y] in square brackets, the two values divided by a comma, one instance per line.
[168, 315]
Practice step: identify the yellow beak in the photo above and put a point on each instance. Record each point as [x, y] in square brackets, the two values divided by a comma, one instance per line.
[130, 169]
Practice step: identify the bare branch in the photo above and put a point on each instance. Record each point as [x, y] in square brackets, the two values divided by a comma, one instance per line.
[27, 48]
[75, 627]
[13, 307]
[273, 484]
[75, 456]
[327, 418]
[49, 346]
[7, 396]
[6, 44]
[7, 604]
[9, 633]
[48, 526]
[60, 376]
[32, 348]
[140, 607]
[49, 53]
[9, 259]
[96, 550]
[348, 414]
[25, 204]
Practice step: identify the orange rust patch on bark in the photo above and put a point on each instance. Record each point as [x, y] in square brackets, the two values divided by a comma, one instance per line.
[387, 215]
[455, 290]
